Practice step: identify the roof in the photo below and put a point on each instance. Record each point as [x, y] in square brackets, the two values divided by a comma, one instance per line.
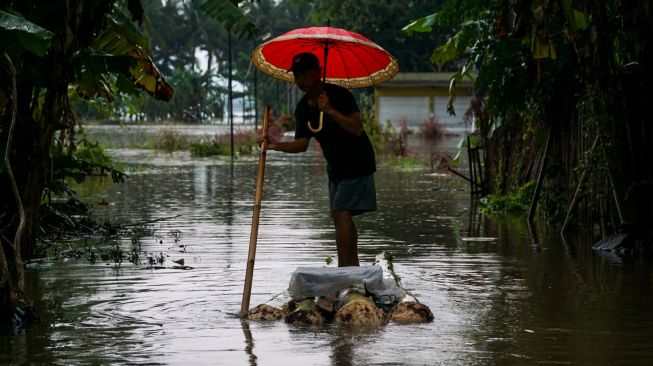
[432, 79]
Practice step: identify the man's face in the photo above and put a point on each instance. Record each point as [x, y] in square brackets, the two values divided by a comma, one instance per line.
[307, 80]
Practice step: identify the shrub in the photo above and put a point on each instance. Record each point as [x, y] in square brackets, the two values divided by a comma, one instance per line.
[212, 148]
[245, 143]
[516, 203]
[169, 139]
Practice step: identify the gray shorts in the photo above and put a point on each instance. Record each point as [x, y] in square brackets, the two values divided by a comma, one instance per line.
[357, 195]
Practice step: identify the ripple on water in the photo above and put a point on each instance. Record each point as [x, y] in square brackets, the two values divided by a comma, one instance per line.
[494, 302]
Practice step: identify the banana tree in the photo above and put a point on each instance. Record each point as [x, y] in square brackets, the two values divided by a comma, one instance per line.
[572, 66]
[54, 52]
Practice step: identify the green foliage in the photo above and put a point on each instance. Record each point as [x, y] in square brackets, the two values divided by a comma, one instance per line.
[179, 29]
[373, 129]
[469, 34]
[578, 20]
[196, 99]
[462, 145]
[515, 204]
[120, 36]
[55, 216]
[407, 163]
[501, 55]
[211, 149]
[422, 25]
[169, 140]
[95, 154]
[15, 30]
[383, 23]
[384, 138]
[245, 143]
[90, 160]
[231, 15]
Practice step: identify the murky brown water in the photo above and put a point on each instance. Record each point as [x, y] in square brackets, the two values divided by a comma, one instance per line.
[515, 300]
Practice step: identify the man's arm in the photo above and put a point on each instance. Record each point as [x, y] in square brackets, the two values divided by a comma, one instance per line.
[295, 146]
[352, 123]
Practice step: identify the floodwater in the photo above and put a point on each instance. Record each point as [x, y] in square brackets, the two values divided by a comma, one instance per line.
[500, 295]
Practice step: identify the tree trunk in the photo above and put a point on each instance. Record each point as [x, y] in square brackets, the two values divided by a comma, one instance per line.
[12, 273]
[36, 120]
[39, 168]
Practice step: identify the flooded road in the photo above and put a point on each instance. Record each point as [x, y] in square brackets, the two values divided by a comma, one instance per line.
[499, 295]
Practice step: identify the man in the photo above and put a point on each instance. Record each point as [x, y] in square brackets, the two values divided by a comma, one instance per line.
[345, 145]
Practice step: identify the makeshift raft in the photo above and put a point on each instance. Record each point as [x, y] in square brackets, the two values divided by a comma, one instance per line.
[352, 296]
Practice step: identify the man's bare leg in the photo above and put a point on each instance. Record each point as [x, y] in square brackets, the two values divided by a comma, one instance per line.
[346, 238]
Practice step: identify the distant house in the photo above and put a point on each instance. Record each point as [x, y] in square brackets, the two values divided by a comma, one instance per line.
[415, 97]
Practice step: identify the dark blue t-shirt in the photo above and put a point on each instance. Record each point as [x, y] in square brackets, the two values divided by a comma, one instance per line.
[348, 156]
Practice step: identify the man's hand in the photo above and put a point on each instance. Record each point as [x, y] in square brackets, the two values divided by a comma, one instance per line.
[323, 103]
[269, 140]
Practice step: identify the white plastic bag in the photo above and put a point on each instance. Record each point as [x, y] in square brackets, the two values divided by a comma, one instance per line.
[320, 281]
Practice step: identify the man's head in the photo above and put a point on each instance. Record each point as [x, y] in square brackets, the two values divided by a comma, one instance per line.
[305, 61]
[306, 71]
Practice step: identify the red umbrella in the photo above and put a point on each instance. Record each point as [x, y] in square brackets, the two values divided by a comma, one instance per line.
[348, 59]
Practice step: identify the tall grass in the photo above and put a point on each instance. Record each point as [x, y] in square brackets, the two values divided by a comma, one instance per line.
[245, 143]
[170, 139]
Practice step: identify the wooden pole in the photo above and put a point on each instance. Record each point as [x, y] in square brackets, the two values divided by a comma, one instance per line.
[574, 200]
[249, 273]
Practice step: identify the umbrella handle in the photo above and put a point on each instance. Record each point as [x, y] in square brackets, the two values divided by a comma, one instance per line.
[319, 127]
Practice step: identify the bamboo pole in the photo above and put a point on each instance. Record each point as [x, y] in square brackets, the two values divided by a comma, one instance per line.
[249, 273]
[540, 178]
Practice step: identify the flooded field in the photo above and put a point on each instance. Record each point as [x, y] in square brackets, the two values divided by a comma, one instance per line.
[500, 295]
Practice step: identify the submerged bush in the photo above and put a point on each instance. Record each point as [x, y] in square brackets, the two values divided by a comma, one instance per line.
[431, 128]
[212, 148]
[170, 139]
[245, 143]
[516, 203]
[94, 153]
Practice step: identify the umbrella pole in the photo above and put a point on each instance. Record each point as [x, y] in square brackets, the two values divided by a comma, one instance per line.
[324, 70]
[249, 272]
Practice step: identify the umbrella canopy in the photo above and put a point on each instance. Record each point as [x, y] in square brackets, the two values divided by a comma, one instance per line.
[352, 61]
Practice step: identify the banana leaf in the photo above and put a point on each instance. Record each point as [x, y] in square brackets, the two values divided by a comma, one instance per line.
[32, 37]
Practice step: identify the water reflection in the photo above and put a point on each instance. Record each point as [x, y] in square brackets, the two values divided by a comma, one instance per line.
[524, 298]
[249, 342]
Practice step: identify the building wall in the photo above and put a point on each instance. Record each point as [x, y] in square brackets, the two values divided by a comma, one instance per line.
[412, 111]
[413, 98]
